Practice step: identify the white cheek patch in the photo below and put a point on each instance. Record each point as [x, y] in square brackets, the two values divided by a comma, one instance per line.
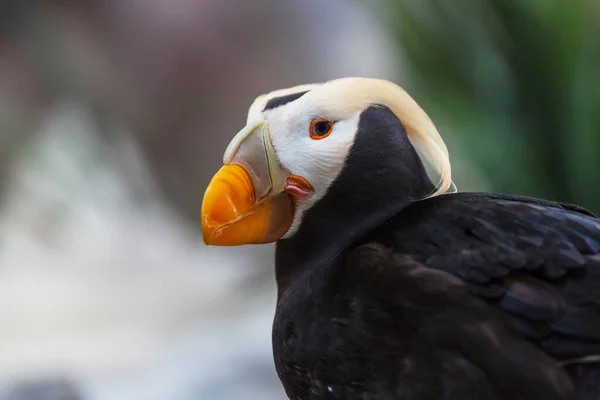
[318, 161]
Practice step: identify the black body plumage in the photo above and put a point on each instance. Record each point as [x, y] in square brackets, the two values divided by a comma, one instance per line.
[383, 295]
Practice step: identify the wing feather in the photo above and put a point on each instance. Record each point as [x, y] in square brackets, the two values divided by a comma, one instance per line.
[537, 261]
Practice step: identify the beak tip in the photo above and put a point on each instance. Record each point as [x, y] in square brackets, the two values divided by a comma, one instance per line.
[205, 239]
[208, 239]
[207, 231]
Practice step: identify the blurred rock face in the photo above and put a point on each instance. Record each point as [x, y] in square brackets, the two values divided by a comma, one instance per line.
[120, 113]
[44, 390]
[182, 73]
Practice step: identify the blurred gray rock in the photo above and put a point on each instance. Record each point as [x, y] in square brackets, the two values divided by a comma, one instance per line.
[45, 389]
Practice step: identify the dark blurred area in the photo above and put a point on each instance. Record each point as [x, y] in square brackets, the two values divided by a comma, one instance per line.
[114, 115]
[513, 86]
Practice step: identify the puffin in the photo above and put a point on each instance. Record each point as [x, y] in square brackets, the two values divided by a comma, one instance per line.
[391, 286]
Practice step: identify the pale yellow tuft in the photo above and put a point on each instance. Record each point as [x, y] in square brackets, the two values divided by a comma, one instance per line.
[342, 98]
[345, 96]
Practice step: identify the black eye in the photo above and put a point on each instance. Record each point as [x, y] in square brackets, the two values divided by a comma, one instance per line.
[320, 128]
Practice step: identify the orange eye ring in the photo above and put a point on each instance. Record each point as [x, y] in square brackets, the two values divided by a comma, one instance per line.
[320, 128]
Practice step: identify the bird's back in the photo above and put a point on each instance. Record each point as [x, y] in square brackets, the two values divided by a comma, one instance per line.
[536, 261]
[465, 297]
[384, 326]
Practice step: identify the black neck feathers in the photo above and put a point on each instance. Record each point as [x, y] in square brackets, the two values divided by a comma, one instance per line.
[381, 176]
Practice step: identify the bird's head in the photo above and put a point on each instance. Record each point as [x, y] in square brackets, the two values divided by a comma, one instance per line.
[295, 146]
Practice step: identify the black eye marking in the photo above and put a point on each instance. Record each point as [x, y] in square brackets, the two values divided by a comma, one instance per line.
[279, 101]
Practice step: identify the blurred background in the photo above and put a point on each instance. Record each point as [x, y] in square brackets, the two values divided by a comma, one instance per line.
[114, 114]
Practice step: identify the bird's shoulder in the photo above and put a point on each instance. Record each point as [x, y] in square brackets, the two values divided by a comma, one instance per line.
[538, 261]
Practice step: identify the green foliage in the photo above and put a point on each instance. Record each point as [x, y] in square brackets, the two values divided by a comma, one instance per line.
[514, 86]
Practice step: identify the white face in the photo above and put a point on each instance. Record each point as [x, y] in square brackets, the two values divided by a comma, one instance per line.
[318, 160]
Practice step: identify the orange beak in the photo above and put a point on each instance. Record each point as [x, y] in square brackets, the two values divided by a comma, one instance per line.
[251, 199]
[231, 216]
